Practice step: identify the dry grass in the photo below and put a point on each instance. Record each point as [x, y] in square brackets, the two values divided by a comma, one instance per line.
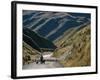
[29, 54]
[80, 50]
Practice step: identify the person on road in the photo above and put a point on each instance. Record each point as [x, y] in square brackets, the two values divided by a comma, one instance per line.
[41, 59]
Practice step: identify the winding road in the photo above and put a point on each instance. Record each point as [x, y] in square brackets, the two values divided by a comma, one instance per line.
[48, 64]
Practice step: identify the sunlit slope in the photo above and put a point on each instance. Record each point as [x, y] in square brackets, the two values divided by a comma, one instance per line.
[75, 49]
[29, 54]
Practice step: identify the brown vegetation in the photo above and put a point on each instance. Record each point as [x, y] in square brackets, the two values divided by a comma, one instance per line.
[29, 54]
[76, 49]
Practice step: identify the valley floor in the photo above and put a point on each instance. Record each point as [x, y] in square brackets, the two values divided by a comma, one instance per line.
[48, 64]
[40, 66]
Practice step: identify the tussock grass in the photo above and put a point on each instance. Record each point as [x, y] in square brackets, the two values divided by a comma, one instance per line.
[80, 44]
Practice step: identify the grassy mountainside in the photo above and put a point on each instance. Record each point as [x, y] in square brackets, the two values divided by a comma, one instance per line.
[75, 50]
[50, 24]
[29, 54]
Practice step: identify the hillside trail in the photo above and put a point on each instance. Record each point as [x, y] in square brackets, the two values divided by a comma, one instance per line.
[48, 64]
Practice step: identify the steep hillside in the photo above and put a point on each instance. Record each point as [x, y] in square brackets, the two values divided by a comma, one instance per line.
[75, 50]
[29, 54]
[36, 41]
[51, 25]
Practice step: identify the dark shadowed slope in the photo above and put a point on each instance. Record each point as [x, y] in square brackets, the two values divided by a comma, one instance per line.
[52, 25]
[37, 41]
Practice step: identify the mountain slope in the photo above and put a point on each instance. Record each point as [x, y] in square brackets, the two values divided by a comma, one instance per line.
[75, 50]
[29, 54]
[52, 25]
[68, 33]
[36, 41]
